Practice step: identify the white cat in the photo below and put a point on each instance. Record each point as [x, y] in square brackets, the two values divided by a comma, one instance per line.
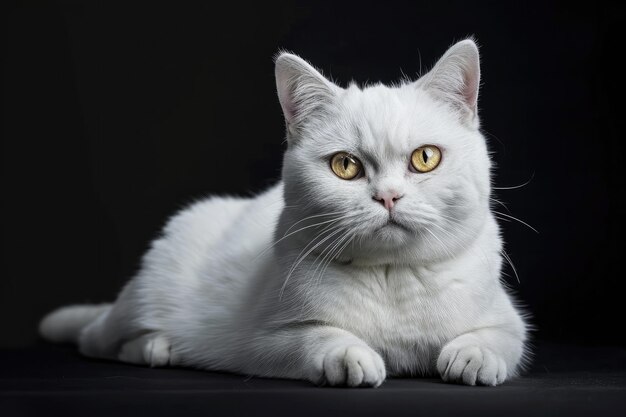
[376, 255]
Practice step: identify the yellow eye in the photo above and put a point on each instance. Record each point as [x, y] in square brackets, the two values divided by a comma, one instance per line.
[425, 158]
[345, 166]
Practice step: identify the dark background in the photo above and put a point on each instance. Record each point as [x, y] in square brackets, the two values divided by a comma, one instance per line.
[115, 116]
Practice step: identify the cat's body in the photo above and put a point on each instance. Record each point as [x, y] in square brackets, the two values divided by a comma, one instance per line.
[393, 272]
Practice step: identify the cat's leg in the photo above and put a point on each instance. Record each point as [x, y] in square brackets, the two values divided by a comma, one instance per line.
[152, 349]
[101, 338]
[110, 337]
[487, 356]
[105, 335]
[324, 355]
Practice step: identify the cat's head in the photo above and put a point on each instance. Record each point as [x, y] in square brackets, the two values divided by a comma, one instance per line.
[386, 172]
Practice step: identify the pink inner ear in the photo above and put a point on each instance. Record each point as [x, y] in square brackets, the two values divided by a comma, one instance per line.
[456, 76]
[470, 92]
[472, 80]
[289, 111]
[284, 87]
[286, 101]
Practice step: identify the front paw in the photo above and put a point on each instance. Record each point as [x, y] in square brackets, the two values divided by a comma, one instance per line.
[471, 365]
[353, 366]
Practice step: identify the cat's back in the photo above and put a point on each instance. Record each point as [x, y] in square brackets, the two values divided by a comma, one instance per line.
[213, 227]
[204, 257]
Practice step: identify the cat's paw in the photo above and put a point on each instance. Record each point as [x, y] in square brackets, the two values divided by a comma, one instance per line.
[151, 350]
[353, 366]
[471, 365]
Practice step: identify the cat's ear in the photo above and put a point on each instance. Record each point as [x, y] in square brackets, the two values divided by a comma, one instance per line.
[302, 90]
[455, 79]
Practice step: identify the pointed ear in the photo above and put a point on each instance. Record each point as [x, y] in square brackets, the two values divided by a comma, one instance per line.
[302, 90]
[455, 79]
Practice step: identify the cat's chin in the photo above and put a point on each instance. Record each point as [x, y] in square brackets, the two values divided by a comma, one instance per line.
[392, 233]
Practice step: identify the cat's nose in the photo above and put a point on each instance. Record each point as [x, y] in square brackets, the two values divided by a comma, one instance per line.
[387, 198]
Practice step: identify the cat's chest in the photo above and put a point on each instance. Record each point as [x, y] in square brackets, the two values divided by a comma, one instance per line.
[393, 306]
[402, 313]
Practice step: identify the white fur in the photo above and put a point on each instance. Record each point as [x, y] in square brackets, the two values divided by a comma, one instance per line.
[309, 280]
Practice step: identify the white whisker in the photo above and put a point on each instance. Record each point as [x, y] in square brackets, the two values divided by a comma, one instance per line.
[508, 259]
[516, 219]
[443, 246]
[311, 217]
[516, 186]
[500, 202]
[302, 257]
[301, 229]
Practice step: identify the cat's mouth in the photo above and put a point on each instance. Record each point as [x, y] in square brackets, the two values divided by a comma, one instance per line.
[393, 223]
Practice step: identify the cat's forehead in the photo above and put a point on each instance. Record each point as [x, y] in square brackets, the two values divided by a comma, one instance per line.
[395, 118]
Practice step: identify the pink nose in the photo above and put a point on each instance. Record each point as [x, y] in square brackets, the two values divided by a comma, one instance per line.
[387, 198]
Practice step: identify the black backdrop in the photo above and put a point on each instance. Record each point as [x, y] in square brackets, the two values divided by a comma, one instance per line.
[115, 116]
